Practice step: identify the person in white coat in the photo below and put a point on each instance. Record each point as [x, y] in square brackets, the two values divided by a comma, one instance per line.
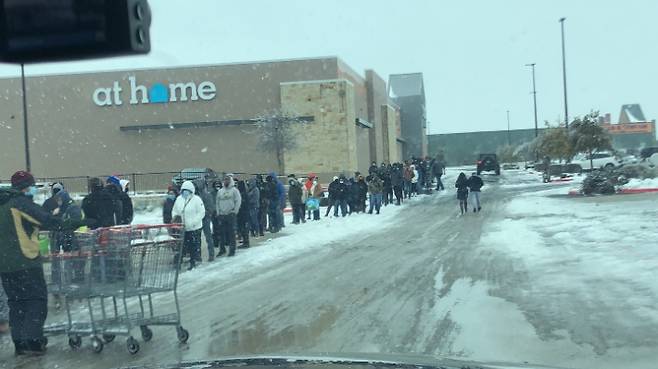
[189, 210]
[414, 180]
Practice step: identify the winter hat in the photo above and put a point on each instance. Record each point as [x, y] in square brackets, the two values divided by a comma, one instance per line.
[114, 180]
[335, 178]
[21, 180]
[123, 183]
[57, 187]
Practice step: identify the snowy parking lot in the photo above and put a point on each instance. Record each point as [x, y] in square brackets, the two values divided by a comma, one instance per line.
[536, 277]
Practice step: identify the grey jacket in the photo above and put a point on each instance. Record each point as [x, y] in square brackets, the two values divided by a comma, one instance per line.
[4, 309]
[228, 200]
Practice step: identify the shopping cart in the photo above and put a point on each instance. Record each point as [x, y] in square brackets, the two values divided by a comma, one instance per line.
[113, 280]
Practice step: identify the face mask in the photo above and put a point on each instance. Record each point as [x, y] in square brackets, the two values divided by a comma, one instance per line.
[186, 194]
[32, 191]
[171, 196]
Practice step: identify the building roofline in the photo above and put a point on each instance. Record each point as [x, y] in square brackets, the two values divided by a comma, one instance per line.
[190, 66]
[491, 131]
[406, 74]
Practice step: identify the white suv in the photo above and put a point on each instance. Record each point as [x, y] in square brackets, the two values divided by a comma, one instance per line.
[603, 159]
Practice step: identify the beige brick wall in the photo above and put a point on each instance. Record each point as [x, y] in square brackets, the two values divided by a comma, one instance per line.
[325, 146]
[392, 148]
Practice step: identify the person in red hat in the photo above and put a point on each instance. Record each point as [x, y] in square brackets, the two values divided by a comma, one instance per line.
[21, 270]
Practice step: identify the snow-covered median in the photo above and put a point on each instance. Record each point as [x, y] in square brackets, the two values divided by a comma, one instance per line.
[636, 183]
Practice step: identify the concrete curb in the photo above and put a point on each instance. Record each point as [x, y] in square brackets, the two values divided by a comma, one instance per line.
[623, 191]
[637, 190]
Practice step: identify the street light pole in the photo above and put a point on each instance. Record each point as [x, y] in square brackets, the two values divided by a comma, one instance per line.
[564, 76]
[28, 165]
[509, 134]
[534, 96]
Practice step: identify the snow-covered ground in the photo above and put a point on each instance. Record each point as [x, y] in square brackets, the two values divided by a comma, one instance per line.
[636, 183]
[597, 253]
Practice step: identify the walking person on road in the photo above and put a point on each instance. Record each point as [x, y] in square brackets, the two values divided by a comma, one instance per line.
[397, 181]
[228, 206]
[475, 186]
[189, 210]
[462, 192]
[21, 269]
[437, 172]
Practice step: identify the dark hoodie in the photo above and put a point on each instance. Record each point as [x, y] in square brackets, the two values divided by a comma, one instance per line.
[100, 205]
[20, 222]
[68, 211]
[295, 192]
[253, 193]
[280, 190]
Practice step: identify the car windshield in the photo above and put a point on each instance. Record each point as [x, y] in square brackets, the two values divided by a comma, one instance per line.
[400, 181]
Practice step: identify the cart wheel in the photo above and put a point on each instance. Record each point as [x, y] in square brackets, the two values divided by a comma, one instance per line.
[147, 333]
[132, 345]
[108, 338]
[97, 345]
[183, 334]
[75, 342]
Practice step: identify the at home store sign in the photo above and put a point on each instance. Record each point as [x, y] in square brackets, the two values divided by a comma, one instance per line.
[156, 93]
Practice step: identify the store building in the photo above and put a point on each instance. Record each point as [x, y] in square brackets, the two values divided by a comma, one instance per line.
[156, 120]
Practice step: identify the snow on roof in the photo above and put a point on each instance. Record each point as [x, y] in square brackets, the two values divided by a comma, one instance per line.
[633, 114]
[401, 85]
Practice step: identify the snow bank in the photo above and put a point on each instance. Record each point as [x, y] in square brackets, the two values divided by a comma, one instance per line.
[635, 183]
[290, 242]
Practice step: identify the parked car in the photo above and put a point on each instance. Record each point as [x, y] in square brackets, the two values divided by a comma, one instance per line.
[647, 152]
[488, 163]
[508, 166]
[653, 160]
[192, 174]
[603, 159]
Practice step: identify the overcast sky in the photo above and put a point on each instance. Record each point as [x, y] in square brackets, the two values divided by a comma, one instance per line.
[472, 53]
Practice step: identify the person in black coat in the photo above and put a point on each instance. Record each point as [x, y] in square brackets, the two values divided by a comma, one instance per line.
[353, 196]
[341, 196]
[113, 187]
[332, 191]
[168, 204]
[100, 205]
[475, 184]
[295, 197]
[243, 214]
[363, 192]
[51, 203]
[270, 193]
[397, 181]
[264, 205]
[462, 192]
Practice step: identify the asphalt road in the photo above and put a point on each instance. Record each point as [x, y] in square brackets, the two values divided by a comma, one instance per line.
[424, 285]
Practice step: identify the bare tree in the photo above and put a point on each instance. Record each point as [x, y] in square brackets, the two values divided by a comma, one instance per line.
[587, 136]
[276, 133]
